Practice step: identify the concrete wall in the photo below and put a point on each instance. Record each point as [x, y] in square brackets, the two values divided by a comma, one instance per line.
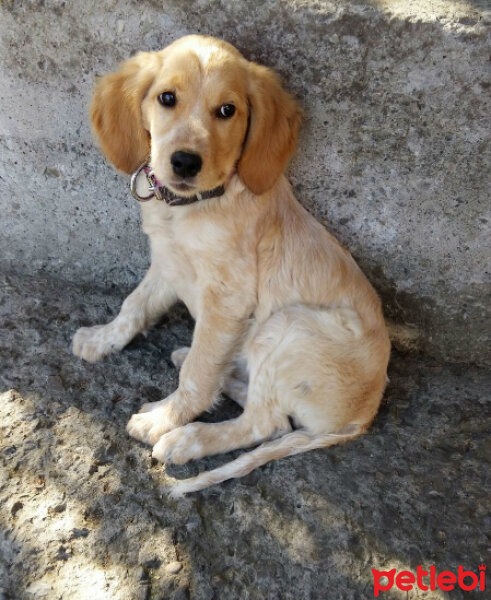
[394, 154]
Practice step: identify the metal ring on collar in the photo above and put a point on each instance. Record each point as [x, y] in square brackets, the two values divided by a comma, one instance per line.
[133, 184]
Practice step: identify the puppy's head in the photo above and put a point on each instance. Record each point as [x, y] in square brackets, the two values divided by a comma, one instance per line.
[200, 111]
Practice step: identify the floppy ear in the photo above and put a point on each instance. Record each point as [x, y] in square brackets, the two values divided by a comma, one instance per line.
[116, 111]
[273, 130]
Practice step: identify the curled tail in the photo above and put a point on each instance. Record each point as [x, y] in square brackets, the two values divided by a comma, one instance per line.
[290, 444]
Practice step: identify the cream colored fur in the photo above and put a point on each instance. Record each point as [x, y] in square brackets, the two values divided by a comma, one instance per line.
[286, 323]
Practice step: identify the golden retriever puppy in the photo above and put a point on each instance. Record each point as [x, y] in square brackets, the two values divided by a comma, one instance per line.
[286, 323]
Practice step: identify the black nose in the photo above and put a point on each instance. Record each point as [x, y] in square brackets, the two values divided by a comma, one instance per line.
[186, 164]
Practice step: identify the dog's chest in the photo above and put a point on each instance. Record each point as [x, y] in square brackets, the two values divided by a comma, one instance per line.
[193, 251]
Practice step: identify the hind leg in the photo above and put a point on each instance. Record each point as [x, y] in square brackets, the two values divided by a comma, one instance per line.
[260, 421]
[329, 373]
[196, 440]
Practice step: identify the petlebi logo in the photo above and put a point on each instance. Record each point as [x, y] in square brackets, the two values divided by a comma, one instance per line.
[429, 580]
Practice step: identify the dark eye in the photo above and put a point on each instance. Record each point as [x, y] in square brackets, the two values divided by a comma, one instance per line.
[225, 111]
[167, 99]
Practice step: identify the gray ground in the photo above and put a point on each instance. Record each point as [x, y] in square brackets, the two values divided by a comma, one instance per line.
[82, 511]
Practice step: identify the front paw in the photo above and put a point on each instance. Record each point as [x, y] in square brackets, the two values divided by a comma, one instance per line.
[179, 446]
[153, 420]
[93, 343]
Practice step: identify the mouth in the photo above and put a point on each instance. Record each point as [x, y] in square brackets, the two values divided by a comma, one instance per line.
[181, 186]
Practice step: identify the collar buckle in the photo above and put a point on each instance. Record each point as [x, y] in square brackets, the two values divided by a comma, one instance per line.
[134, 184]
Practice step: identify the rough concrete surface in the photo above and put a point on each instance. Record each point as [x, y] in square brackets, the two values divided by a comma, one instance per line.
[83, 516]
[394, 153]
